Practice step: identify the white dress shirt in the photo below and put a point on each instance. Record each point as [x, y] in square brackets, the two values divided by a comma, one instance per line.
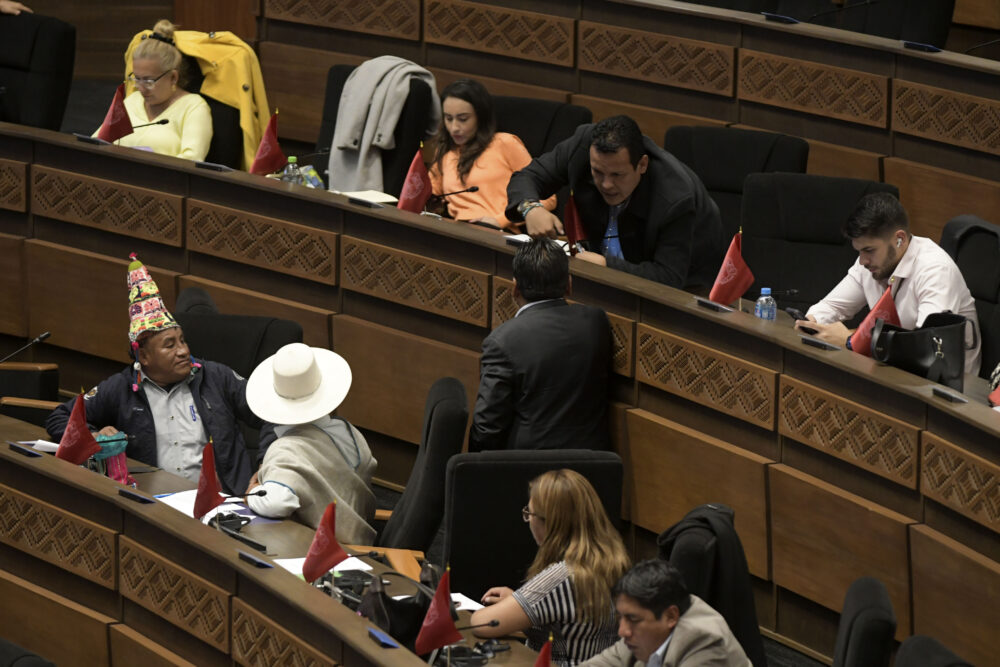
[925, 281]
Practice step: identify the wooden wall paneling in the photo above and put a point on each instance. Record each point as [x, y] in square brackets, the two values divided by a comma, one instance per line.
[112, 206]
[258, 640]
[675, 468]
[130, 648]
[496, 86]
[238, 301]
[823, 538]
[399, 19]
[295, 77]
[947, 116]
[81, 298]
[707, 67]
[237, 16]
[849, 431]
[56, 536]
[393, 371]
[707, 376]
[14, 185]
[13, 314]
[55, 627]
[982, 13]
[413, 280]
[268, 243]
[933, 196]
[813, 88]
[176, 595]
[955, 593]
[653, 122]
[966, 483]
[475, 26]
[826, 159]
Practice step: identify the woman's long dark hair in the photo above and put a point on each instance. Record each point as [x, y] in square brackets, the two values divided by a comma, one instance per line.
[475, 94]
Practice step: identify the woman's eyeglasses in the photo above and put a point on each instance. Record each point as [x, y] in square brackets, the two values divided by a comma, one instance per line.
[526, 514]
[146, 82]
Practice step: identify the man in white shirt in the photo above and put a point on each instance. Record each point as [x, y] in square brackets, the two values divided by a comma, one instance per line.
[923, 277]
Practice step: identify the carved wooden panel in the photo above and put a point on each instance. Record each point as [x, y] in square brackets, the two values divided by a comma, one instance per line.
[389, 18]
[823, 90]
[113, 207]
[58, 537]
[622, 328]
[963, 481]
[13, 185]
[416, 281]
[852, 432]
[276, 245]
[506, 32]
[257, 640]
[944, 115]
[174, 594]
[705, 375]
[650, 56]
[13, 291]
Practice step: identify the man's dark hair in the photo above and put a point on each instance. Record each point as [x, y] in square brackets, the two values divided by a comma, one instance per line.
[618, 132]
[541, 270]
[878, 214]
[656, 585]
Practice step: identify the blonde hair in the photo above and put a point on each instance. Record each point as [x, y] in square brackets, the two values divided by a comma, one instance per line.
[162, 51]
[578, 532]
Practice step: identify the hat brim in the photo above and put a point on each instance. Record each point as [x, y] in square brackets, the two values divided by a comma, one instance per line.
[265, 402]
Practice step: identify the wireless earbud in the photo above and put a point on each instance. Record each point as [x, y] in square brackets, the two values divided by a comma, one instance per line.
[899, 243]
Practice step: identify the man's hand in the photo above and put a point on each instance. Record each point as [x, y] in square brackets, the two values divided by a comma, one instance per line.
[15, 8]
[835, 333]
[253, 483]
[107, 430]
[592, 257]
[496, 594]
[540, 223]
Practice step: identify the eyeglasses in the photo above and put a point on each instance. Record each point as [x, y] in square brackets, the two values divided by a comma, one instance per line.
[526, 514]
[147, 82]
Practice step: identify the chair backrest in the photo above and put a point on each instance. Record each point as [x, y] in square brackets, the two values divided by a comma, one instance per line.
[12, 655]
[238, 341]
[29, 380]
[417, 516]
[408, 134]
[723, 157]
[792, 232]
[925, 21]
[540, 124]
[974, 244]
[226, 146]
[486, 541]
[36, 69]
[924, 651]
[867, 626]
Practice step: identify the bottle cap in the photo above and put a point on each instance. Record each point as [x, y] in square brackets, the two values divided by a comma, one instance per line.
[292, 159]
[764, 291]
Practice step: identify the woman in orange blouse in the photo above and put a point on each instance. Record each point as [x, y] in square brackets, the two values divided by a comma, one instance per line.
[470, 152]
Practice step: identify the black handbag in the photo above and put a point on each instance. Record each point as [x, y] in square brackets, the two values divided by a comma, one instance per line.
[402, 618]
[935, 351]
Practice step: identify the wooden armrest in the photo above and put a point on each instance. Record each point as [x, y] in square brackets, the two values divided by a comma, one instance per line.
[34, 403]
[27, 366]
[383, 515]
[404, 561]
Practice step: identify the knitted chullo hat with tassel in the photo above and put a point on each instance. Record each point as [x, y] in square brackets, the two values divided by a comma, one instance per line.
[146, 312]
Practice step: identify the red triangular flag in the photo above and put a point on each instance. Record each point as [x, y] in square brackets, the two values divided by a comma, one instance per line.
[325, 551]
[116, 123]
[734, 277]
[572, 225]
[438, 628]
[208, 496]
[417, 186]
[269, 157]
[885, 309]
[545, 655]
[77, 443]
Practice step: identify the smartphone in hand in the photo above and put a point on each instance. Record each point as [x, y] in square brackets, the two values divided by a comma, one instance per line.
[799, 315]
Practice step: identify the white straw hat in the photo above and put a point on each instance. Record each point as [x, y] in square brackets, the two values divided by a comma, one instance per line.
[298, 384]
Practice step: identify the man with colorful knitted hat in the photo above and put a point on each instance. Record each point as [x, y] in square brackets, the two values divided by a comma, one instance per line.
[168, 403]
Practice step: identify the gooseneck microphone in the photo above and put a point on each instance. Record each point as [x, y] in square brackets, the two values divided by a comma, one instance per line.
[471, 188]
[981, 45]
[16, 352]
[491, 624]
[162, 121]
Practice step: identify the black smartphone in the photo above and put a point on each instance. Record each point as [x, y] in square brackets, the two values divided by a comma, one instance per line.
[799, 315]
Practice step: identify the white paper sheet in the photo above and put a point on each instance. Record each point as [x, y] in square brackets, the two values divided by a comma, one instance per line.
[294, 565]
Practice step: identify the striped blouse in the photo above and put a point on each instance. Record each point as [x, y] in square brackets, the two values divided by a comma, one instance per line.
[550, 604]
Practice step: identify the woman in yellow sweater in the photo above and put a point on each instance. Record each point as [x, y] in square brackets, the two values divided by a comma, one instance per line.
[470, 152]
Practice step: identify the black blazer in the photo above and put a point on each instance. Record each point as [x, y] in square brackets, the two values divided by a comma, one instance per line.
[544, 381]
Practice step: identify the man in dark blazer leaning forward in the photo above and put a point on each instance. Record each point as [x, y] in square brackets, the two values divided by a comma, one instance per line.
[544, 374]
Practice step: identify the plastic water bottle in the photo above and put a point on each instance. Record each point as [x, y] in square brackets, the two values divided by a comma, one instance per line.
[765, 308]
[291, 173]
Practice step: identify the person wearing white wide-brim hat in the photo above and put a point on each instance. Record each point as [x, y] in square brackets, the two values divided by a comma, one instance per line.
[317, 458]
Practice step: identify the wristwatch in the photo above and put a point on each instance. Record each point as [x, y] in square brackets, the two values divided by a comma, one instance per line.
[524, 207]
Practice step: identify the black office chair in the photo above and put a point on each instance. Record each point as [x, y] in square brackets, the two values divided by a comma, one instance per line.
[409, 132]
[867, 626]
[12, 655]
[924, 21]
[924, 651]
[28, 391]
[486, 541]
[723, 157]
[226, 146]
[792, 232]
[706, 550]
[417, 516]
[36, 69]
[974, 244]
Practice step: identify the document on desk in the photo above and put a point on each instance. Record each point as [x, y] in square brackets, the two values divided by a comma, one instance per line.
[40, 445]
[461, 601]
[183, 501]
[294, 565]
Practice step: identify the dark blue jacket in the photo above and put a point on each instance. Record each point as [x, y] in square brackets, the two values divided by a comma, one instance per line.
[220, 397]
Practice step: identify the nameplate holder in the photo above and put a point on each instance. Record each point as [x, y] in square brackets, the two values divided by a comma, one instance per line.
[23, 451]
[87, 139]
[135, 497]
[948, 396]
[819, 344]
[253, 560]
[213, 166]
[712, 305]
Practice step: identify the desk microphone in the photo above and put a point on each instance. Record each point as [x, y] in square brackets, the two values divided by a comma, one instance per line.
[472, 188]
[22, 349]
[981, 45]
[784, 292]
[259, 492]
[491, 624]
[162, 121]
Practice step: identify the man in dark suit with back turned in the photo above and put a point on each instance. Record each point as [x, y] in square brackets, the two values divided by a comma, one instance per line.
[544, 373]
